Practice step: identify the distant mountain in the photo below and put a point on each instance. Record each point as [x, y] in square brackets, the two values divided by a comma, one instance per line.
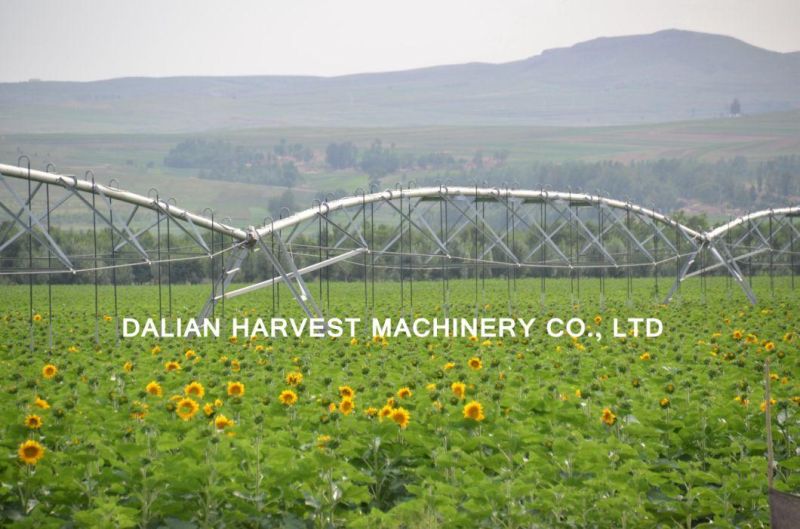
[665, 76]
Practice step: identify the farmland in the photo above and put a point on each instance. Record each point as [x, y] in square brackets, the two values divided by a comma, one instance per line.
[370, 432]
[136, 161]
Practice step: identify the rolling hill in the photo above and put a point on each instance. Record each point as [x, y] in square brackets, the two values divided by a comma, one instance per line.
[670, 75]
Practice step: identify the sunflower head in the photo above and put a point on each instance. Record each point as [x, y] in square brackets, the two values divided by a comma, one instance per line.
[235, 389]
[401, 417]
[346, 392]
[30, 452]
[295, 378]
[475, 363]
[172, 366]
[49, 371]
[194, 389]
[347, 406]
[41, 403]
[474, 411]
[288, 397]
[221, 422]
[186, 408]
[404, 393]
[386, 411]
[608, 417]
[154, 389]
[459, 389]
[34, 422]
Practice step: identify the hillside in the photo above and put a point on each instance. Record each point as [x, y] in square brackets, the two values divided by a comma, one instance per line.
[666, 76]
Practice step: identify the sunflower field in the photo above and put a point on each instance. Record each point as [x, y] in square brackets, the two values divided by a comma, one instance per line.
[535, 432]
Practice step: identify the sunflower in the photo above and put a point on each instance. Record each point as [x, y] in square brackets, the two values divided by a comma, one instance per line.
[459, 389]
[34, 422]
[769, 346]
[448, 366]
[608, 417]
[346, 406]
[346, 392]
[401, 417]
[295, 378]
[139, 410]
[41, 403]
[386, 411]
[195, 389]
[763, 406]
[235, 367]
[186, 408]
[233, 339]
[208, 409]
[37, 317]
[288, 397]
[189, 354]
[598, 320]
[371, 411]
[475, 363]
[737, 334]
[474, 411]
[404, 393]
[30, 452]
[221, 422]
[49, 371]
[664, 403]
[128, 367]
[154, 389]
[172, 366]
[235, 389]
[155, 350]
[322, 441]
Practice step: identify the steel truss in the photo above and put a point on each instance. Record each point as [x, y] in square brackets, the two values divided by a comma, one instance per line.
[440, 231]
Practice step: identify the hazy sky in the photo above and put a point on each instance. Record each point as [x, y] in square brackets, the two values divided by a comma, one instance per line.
[99, 39]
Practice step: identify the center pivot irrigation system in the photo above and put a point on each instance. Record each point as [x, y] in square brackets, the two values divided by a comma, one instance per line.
[441, 232]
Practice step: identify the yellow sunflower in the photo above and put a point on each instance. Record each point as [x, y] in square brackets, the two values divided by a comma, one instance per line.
[474, 411]
[221, 422]
[186, 408]
[49, 371]
[459, 389]
[386, 411]
[295, 378]
[404, 393]
[154, 388]
[475, 363]
[172, 366]
[30, 452]
[34, 422]
[235, 389]
[346, 392]
[347, 406]
[195, 389]
[41, 403]
[288, 397]
[608, 417]
[401, 417]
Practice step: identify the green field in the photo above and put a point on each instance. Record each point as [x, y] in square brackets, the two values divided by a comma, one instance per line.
[136, 160]
[625, 432]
